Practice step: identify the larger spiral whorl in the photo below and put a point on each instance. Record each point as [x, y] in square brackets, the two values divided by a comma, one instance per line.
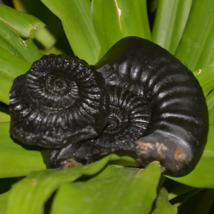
[59, 100]
[177, 132]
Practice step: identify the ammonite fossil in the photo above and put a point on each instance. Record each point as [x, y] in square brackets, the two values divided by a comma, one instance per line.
[154, 90]
[178, 127]
[60, 100]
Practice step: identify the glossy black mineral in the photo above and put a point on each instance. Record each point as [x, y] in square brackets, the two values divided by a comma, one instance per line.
[59, 101]
[178, 128]
[157, 112]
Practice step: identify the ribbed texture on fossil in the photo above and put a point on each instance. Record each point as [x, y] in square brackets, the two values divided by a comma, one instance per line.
[128, 119]
[59, 100]
[175, 134]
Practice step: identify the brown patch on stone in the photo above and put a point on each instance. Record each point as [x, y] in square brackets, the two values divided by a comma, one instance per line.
[163, 169]
[69, 163]
[160, 148]
[145, 148]
[180, 154]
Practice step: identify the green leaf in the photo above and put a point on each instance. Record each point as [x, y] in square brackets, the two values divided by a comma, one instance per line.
[210, 105]
[10, 67]
[162, 205]
[179, 200]
[113, 20]
[20, 22]
[30, 194]
[45, 39]
[32, 49]
[78, 27]
[11, 42]
[205, 77]
[178, 189]
[199, 203]
[15, 160]
[170, 20]
[3, 203]
[134, 12]
[4, 117]
[114, 190]
[105, 16]
[47, 36]
[123, 161]
[4, 114]
[33, 7]
[196, 49]
[203, 174]
[6, 183]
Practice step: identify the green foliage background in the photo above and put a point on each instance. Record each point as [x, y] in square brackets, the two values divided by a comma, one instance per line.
[88, 29]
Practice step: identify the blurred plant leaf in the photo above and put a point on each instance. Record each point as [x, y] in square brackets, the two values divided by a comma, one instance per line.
[203, 174]
[32, 7]
[11, 42]
[15, 160]
[45, 37]
[20, 22]
[4, 115]
[177, 189]
[199, 203]
[30, 194]
[196, 49]
[3, 202]
[33, 50]
[177, 201]
[210, 105]
[134, 12]
[153, 5]
[106, 21]
[170, 20]
[114, 190]
[78, 27]
[123, 161]
[114, 20]
[10, 67]
[6, 183]
[162, 205]
[205, 77]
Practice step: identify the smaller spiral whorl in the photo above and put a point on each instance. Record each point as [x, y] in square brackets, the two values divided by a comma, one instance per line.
[56, 86]
[117, 120]
[59, 100]
[128, 119]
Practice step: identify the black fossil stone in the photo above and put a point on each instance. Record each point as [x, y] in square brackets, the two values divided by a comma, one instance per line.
[59, 101]
[157, 111]
[178, 127]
